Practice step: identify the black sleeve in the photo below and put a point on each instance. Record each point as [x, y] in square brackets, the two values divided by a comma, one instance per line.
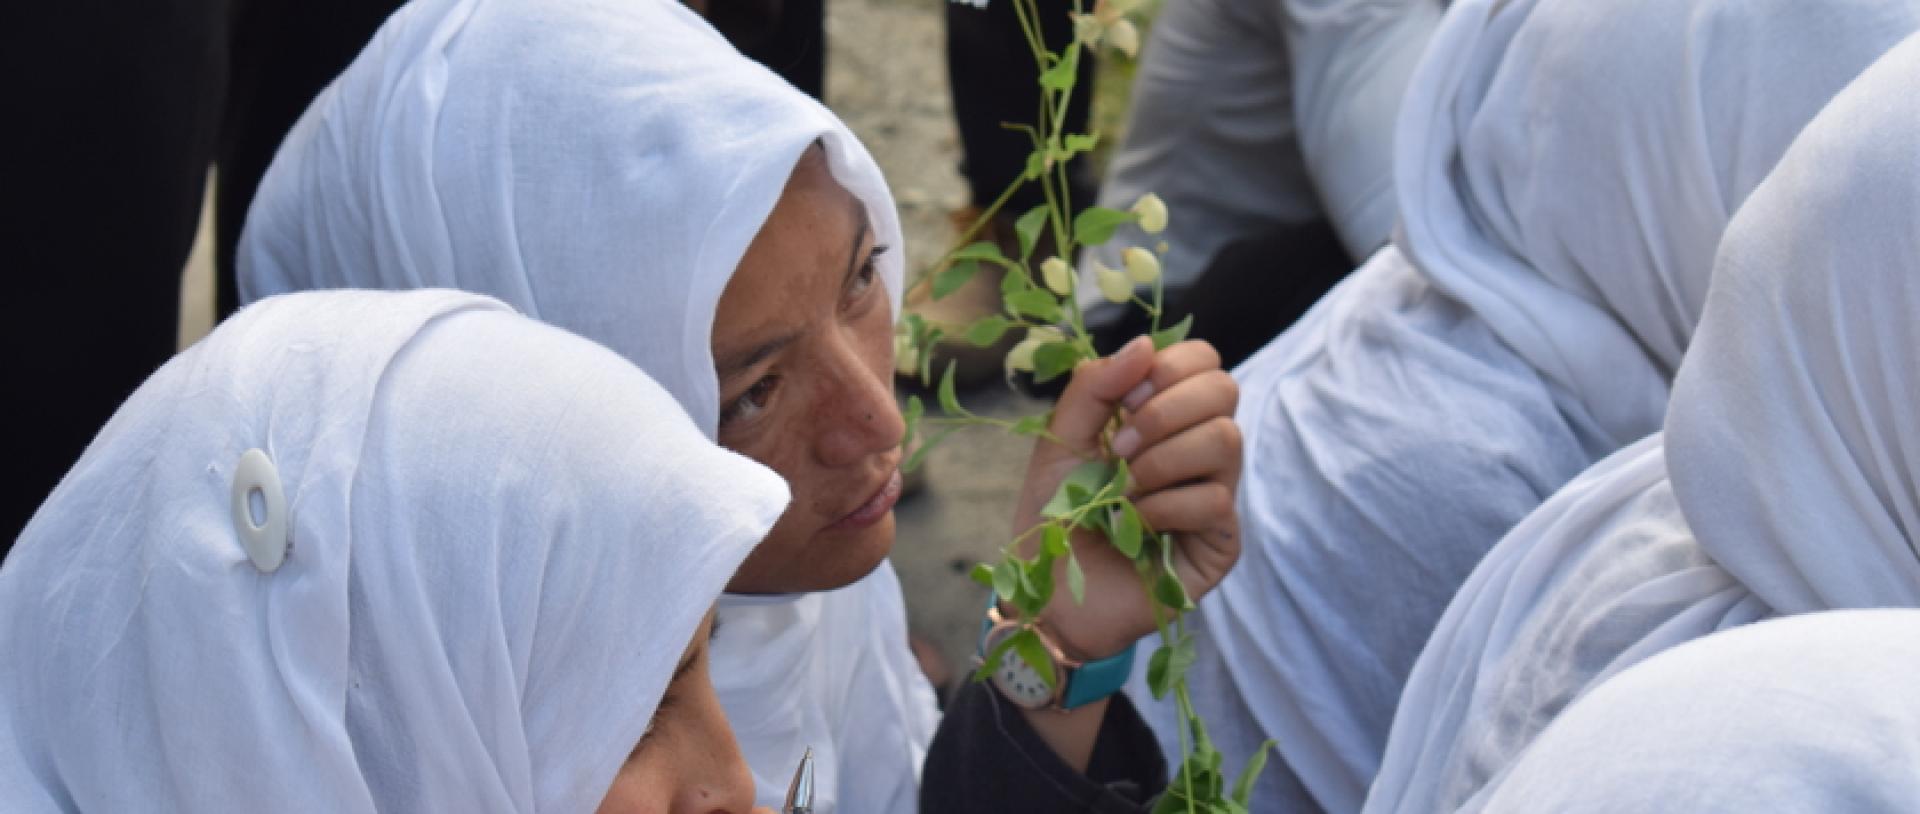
[985, 758]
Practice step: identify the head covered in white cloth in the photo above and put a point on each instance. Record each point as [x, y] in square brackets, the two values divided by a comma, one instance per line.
[601, 165]
[486, 585]
[1567, 169]
[1782, 484]
[605, 166]
[1810, 714]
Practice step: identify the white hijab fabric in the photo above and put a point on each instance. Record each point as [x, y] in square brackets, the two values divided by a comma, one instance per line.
[1783, 483]
[473, 499]
[1811, 714]
[602, 165]
[1566, 167]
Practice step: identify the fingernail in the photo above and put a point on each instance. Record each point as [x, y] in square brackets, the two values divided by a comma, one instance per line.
[1126, 442]
[1137, 396]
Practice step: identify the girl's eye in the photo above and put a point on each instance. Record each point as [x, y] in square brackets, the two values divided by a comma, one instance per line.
[863, 279]
[750, 403]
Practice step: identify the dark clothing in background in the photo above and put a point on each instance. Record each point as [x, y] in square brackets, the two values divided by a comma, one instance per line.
[985, 757]
[996, 81]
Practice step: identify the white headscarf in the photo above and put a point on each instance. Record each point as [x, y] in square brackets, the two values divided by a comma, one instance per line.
[1812, 714]
[1783, 483]
[603, 165]
[1566, 168]
[489, 584]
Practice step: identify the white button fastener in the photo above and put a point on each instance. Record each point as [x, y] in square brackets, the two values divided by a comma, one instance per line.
[260, 511]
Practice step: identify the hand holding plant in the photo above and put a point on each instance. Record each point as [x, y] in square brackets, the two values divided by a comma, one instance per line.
[1141, 444]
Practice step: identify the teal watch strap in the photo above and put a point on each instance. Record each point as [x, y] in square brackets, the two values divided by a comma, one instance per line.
[1086, 684]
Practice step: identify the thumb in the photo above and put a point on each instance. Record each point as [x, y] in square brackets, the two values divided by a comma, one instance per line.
[1095, 391]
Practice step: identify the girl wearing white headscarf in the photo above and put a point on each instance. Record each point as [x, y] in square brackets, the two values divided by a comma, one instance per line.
[1564, 172]
[1783, 482]
[362, 552]
[1811, 714]
[603, 165]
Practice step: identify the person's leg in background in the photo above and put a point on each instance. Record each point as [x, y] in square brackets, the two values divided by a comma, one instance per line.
[995, 81]
[116, 109]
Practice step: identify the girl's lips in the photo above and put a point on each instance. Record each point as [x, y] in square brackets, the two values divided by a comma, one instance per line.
[875, 508]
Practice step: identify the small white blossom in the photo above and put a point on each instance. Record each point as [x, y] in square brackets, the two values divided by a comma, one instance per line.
[1124, 37]
[1021, 357]
[1058, 275]
[1114, 285]
[1152, 213]
[906, 359]
[1142, 266]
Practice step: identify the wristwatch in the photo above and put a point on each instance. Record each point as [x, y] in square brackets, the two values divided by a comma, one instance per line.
[1075, 684]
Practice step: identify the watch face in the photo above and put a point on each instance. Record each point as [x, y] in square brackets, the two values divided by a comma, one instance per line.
[1017, 680]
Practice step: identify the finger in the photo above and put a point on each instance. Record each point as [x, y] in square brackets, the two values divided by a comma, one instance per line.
[1171, 365]
[1190, 402]
[1096, 388]
[1209, 451]
[1194, 509]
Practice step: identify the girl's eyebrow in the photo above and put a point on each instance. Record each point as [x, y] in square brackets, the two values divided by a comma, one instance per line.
[865, 224]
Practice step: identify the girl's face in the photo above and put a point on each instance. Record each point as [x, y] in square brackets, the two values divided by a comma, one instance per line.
[687, 762]
[803, 345]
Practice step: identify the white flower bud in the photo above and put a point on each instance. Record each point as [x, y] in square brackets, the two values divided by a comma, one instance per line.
[1152, 213]
[1114, 285]
[1087, 29]
[1021, 357]
[1045, 334]
[1123, 36]
[1058, 275]
[906, 361]
[1142, 266]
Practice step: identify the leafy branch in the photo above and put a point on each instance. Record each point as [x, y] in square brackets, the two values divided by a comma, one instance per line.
[1040, 298]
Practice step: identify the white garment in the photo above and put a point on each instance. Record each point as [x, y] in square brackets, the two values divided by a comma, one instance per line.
[1247, 114]
[1783, 483]
[1396, 433]
[601, 165]
[1810, 714]
[473, 499]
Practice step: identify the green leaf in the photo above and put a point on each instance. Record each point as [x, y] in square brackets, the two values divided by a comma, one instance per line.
[1122, 479]
[918, 457]
[1257, 763]
[1053, 360]
[1037, 578]
[1095, 224]
[987, 330]
[1080, 142]
[1172, 335]
[950, 403]
[1125, 530]
[1014, 282]
[951, 278]
[1087, 478]
[911, 415]
[983, 574]
[1036, 165]
[1065, 70]
[1033, 425]
[981, 250]
[1035, 303]
[926, 358]
[993, 659]
[1006, 580]
[1169, 666]
[1168, 591]
[1028, 228]
[1053, 541]
[1076, 581]
[1027, 644]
